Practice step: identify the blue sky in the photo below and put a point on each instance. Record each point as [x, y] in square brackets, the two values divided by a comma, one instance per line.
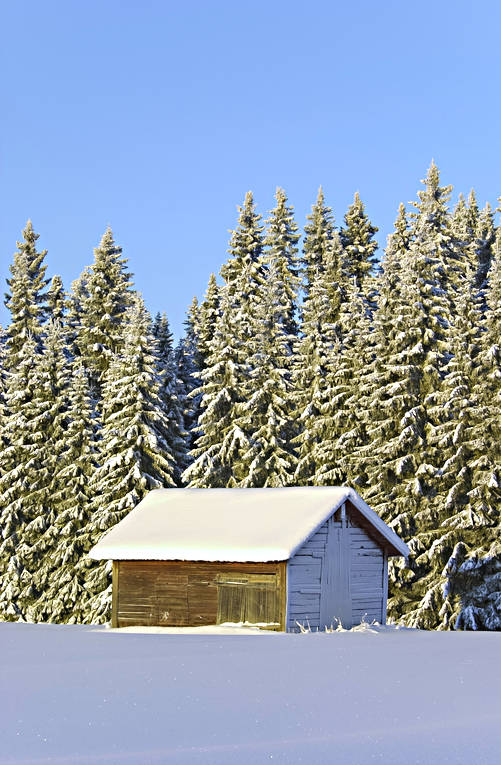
[156, 118]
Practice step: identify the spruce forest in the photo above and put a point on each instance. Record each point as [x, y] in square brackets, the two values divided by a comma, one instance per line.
[311, 362]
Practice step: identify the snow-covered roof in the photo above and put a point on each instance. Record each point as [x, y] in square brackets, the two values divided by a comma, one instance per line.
[230, 524]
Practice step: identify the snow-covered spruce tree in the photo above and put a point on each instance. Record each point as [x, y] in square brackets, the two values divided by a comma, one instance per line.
[219, 392]
[47, 409]
[395, 466]
[473, 572]
[265, 413]
[35, 424]
[133, 456]
[26, 299]
[462, 224]
[380, 371]
[56, 300]
[3, 387]
[21, 463]
[204, 322]
[479, 225]
[74, 308]
[359, 247]
[465, 506]
[243, 272]
[339, 428]
[474, 233]
[65, 596]
[433, 233]
[318, 234]
[473, 587]
[491, 351]
[189, 363]
[218, 451]
[172, 397]
[457, 446]
[395, 253]
[315, 359]
[192, 353]
[104, 303]
[19, 481]
[484, 244]
[282, 254]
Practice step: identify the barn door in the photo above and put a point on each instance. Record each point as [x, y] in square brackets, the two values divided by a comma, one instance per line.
[248, 598]
[335, 592]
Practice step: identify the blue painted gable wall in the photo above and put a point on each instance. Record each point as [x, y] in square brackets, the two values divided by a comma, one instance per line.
[340, 570]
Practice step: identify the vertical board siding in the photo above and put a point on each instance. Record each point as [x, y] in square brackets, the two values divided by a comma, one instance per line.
[304, 572]
[338, 573]
[367, 576]
[335, 600]
[180, 594]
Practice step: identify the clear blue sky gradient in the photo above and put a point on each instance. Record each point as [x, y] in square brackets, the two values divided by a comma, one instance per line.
[156, 118]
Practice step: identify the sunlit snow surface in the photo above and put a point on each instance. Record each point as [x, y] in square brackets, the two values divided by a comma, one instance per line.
[234, 695]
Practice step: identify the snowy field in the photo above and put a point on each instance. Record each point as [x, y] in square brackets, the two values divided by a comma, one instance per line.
[94, 695]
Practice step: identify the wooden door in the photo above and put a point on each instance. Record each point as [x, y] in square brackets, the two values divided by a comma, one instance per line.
[335, 590]
[249, 598]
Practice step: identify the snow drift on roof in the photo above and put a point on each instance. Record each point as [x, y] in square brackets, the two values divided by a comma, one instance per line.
[254, 525]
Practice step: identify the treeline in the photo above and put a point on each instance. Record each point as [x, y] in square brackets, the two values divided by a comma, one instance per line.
[313, 367]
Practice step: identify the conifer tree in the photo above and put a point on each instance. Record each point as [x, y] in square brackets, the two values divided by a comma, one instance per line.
[171, 396]
[318, 234]
[19, 463]
[220, 392]
[472, 588]
[432, 234]
[315, 360]
[357, 238]
[386, 377]
[3, 389]
[463, 225]
[204, 321]
[35, 427]
[281, 243]
[338, 430]
[463, 220]
[265, 412]
[48, 416]
[74, 306]
[221, 443]
[133, 454]
[192, 354]
[396, 466]
[65, 596]
[484, 243]
[189, 363]
[105, 298]
[26, 299]
[464, 503]
[56, 299]
[243, 272]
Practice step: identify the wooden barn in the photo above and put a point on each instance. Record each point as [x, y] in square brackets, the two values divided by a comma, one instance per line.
[276, 558]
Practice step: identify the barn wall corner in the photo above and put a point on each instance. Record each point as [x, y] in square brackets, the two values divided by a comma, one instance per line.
[114, 595]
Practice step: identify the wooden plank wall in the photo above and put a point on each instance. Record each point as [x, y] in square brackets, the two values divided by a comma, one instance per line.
[335, 594]
[177, 593]
[368, 565]
[366, 562]
[304, 572]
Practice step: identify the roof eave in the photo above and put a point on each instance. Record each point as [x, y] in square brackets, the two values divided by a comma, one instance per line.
[396, 546]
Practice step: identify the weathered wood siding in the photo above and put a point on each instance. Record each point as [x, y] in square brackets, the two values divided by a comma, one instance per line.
[339, 573]
[179, 594]
[304, 574]
[367, 577]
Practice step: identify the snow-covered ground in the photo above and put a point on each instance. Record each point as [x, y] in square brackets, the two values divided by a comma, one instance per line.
[94, 695]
